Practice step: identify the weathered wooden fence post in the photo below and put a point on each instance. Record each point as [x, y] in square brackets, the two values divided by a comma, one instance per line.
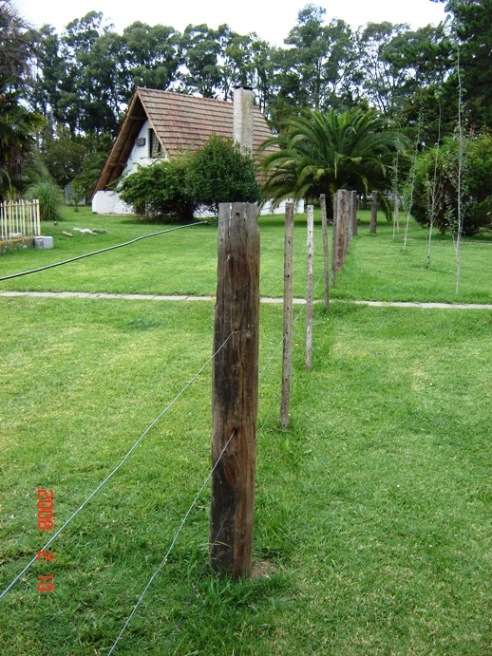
[354, 201]
[347, 221]
[342, 221]
[288, 314]
[309, 286]
[374, 211]
[235, 389]
[326, 265]
[334, 241]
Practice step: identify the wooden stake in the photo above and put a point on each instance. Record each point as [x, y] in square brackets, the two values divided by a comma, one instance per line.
[374, 212]
[347, 221]
[288, 315]
[235, 389]
[326, 265]
[341, 226]
[309, 289]
[354, 200]
[334, 241]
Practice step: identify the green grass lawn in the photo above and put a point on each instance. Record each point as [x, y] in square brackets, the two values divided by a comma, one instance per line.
[184, 262]
[373, 509]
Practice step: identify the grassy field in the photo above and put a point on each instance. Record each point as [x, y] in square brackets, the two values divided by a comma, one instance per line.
[378, 267]
[373, 509]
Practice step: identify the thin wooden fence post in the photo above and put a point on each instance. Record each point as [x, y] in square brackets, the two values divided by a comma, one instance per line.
[374, 212]
[235, 389]
[347, 222]
[334, 240]
[38, 218]
[288, 315]
[326, 265]
[2, 222]
[353, 207]
[342, 226]
[309, 287]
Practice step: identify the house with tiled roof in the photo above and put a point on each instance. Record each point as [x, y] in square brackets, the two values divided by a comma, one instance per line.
[165, 124]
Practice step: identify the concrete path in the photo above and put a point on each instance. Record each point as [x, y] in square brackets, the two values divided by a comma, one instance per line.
[297, 301]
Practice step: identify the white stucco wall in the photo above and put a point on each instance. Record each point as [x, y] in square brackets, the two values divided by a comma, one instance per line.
[269, 209]
[108, 202]
[139, 154]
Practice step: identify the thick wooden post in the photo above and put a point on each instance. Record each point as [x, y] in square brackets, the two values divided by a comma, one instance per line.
[288, 315]
[374, 212]
[326, 265]
[309, 286]
[235, 390]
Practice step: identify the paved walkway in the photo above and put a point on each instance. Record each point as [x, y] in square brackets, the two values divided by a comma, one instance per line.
[297, 301]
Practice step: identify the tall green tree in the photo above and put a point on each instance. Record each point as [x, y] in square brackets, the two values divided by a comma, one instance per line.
[201, 45]
[405, 74]
[473, 26]
[263, 72]
[18, 125]
[16, 47]
[237, 62]
[319, 61]
[383, 79]
[325, 151]
[151, 57]
[49, 71]
[85, 101]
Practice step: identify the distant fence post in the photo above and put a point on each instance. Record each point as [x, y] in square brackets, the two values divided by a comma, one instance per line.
[374, 212]
[334, 240]
[347, 221]
[309, 287]
[354, 201]
[324, 226]
[288, 315]
[342, 226]
[235, 389]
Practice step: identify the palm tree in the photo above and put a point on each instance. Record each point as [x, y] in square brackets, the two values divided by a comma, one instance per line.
[18, 127]
[324, 151]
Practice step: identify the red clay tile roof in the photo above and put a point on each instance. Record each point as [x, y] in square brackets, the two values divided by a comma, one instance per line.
[180, 122]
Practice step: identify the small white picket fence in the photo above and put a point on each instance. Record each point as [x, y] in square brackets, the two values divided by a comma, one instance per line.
[19, 219]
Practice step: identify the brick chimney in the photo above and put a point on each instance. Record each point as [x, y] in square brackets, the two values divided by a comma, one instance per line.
[243, 117]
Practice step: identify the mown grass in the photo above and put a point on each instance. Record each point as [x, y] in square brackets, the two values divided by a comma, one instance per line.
[373, 509]
[184, 262]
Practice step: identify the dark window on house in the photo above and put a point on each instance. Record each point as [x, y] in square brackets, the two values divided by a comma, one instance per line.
[155, 148]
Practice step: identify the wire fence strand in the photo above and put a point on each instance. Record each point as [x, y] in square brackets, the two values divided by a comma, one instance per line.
[183, 522]
[142, 436]
[176, 535]
[102, 250]
[116, 469]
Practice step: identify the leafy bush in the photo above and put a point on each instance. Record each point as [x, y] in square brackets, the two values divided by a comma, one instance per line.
[220, 172]
[50, 199]
[436, 185]
[216, 173]
[159, 190]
